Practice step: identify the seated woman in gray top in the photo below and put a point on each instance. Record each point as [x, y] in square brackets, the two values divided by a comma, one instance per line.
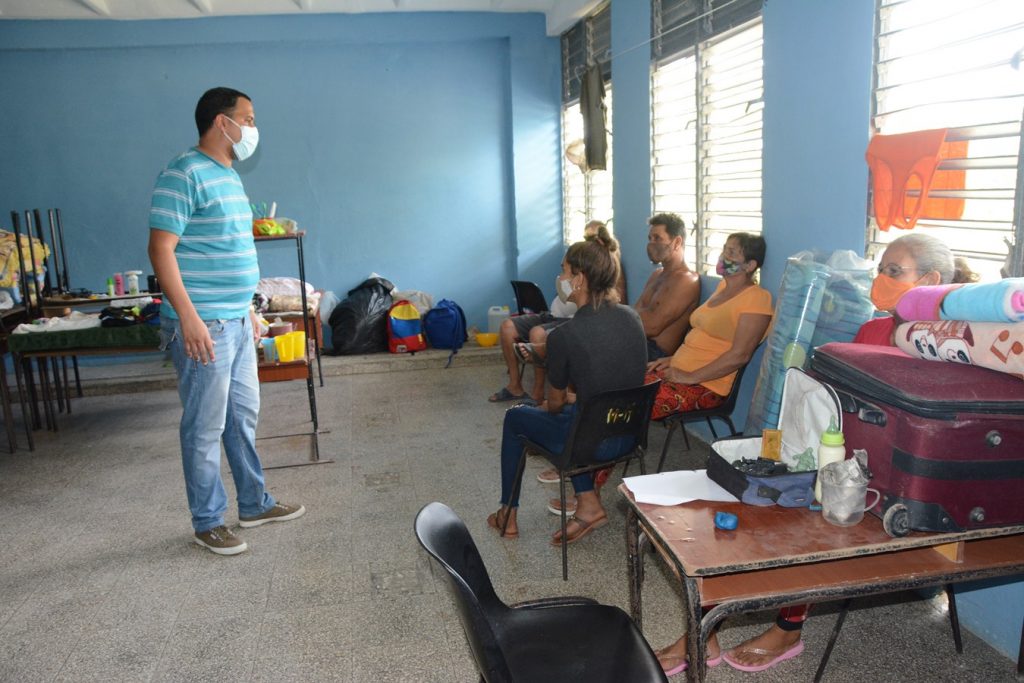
[601, 349]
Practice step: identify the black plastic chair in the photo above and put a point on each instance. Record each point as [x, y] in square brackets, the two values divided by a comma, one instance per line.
[619, 413]
[529, 297]
[722, 412]
[556, 639]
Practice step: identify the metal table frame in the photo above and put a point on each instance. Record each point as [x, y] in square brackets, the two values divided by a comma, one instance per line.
[920, 561]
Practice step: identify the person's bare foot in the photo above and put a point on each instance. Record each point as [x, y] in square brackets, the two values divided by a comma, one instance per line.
[673, 656]
[764, 648]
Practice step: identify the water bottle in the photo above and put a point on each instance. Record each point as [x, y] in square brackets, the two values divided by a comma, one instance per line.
[831, 449]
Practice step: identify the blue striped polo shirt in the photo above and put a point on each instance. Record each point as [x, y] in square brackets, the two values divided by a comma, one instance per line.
[205, 204]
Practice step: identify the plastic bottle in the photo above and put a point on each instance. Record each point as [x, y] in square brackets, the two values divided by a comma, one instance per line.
[110, 286]
[495, 316]
[118, 284]
[131, 278]
[831, 449]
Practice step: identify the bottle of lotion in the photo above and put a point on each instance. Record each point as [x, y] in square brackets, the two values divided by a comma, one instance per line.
[831, 449]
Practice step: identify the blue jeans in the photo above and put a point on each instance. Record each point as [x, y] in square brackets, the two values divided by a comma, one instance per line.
[550, 430]
[221, 403]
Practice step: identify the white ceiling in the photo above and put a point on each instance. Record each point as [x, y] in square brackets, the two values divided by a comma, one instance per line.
[560, 14]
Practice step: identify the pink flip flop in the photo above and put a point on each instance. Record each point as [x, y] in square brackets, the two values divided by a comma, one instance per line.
[788, 654]
[680, 668]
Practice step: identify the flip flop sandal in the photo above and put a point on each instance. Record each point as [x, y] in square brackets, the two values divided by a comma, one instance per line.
[554, 506]
[788, 654]
[492, 521]
[548, 476]
[528, 354]
[506, 395]
[684, 665]
[584, 528]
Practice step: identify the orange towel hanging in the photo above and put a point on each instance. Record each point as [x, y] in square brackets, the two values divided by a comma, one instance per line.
[910, 161]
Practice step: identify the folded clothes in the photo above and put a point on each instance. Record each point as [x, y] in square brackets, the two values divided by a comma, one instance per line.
[923, 303]
[992, 345]
[986, 302]
[996, 302]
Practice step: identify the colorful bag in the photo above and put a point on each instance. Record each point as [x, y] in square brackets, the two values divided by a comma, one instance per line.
[445, 326]
[405, 331]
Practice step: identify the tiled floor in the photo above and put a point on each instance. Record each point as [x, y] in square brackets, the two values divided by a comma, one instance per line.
[99, 579]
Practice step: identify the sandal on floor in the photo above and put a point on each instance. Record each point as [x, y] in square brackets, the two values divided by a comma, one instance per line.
[548, 476]
[555, 506]
[788, 654]
[496, 524]
[528, 354]
[506, 395]
[684, 665]
[583, 528]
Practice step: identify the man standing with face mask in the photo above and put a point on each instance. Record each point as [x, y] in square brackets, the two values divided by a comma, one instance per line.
[673, 290]
[202, 250]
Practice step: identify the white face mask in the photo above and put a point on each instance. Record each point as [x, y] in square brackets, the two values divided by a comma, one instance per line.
[244, 148]
[564, 289]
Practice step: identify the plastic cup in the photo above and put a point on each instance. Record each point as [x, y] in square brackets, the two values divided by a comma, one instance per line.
[299, 344]
[283, 342]
[269, 350]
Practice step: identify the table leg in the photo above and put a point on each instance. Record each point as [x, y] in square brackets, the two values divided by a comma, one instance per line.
[5, 397]
[697, 631]
[57, 385]
[49, 410]
[634, 566]
[23, 400]
[31, 395]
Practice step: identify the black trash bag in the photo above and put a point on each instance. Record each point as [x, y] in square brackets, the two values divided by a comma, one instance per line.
[359, 324]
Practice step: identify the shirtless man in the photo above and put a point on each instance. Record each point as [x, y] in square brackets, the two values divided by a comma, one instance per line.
[672, 292]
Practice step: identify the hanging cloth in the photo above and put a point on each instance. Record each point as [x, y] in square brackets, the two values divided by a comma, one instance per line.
[910, 161]
[594, 128]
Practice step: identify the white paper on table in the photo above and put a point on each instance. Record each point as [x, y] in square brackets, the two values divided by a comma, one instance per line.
[675, 488]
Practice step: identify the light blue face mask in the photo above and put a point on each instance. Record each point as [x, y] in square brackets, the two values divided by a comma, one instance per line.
[246, 145]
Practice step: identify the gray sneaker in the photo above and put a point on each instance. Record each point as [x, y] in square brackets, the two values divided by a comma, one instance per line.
[220, 540]
[281, 512]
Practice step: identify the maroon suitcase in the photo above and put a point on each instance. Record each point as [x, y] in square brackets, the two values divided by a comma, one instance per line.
[945, 441]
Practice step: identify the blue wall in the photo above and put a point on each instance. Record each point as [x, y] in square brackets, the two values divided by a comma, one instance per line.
[421, 146]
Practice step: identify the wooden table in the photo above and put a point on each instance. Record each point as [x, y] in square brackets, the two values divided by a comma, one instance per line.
[789, 556]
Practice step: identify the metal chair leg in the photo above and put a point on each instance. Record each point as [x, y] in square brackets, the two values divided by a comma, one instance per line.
[832, 640]
[565, 542]
[668, 439]
[954, 619]
[516, 485]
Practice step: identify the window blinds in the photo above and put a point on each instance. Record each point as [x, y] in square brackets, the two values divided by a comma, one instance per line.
[950, 64]
[706, 133]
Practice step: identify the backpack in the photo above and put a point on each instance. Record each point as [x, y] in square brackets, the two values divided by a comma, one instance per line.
[445, 325]
[405, 332]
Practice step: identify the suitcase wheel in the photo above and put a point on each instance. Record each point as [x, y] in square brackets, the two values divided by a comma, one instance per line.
[896, 521]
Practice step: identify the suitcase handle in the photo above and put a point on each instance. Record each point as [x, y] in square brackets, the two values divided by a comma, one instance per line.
[872, 415]
[866, 412]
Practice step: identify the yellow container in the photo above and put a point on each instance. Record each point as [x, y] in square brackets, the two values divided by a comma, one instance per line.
[285, 347]
[298, 344]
